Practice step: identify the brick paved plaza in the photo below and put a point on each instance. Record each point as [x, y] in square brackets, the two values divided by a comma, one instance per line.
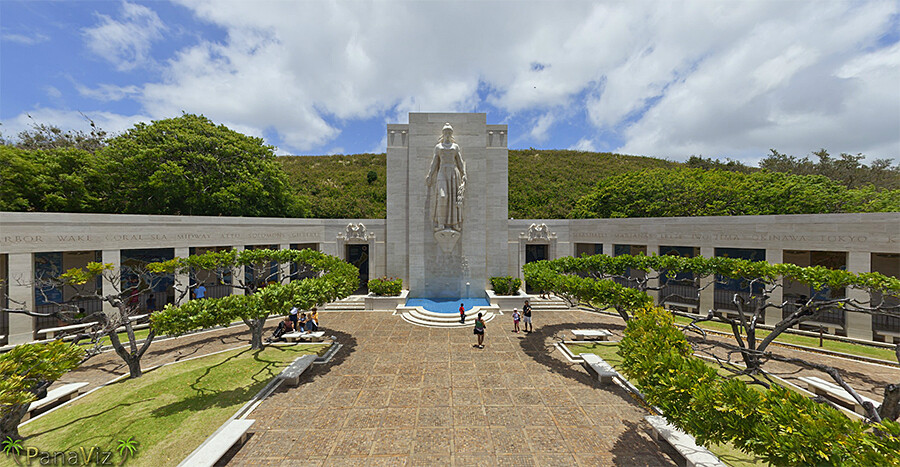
[399, 394]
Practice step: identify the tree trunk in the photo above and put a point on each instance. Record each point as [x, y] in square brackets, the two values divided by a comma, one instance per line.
[890, 407]
[133, 361]
[256, 333]
[10, 420]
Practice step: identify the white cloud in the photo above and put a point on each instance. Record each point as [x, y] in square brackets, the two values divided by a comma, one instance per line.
[125, 43]
[53, 92]
[541, 129]
[108, 92]
[666, 79]
[25, 39]
[584, 144]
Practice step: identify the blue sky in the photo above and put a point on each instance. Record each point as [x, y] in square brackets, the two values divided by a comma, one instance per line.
[664, 79]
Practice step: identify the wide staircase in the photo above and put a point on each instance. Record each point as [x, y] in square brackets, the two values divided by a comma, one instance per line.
[422, 317]
[552, 303]
[351, 303]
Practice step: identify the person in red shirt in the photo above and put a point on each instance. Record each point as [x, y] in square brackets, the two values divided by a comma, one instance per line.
[462, 314]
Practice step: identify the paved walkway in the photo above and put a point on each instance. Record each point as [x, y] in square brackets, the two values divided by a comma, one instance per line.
[399, 394]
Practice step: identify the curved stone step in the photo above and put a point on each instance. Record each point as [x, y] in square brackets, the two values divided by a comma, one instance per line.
[424, 320]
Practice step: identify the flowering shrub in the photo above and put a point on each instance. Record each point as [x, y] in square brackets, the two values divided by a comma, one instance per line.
[506, 285]
[386, 287]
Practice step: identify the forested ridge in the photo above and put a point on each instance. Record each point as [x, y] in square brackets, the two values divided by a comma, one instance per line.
[190, 166]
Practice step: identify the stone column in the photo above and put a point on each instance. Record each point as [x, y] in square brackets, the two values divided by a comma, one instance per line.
[608, 249]
[109, 288]
[284, 269]
[774, 315]
[859, 325]
[707, 295]
[21, 295]
[654, 294]
[182, 280]
[237, 274]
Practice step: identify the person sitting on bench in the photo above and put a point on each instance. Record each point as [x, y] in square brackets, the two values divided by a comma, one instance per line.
[283, 327]
[301, 327]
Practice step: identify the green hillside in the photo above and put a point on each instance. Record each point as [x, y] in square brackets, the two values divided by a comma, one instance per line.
[546, 184]
[543, 184]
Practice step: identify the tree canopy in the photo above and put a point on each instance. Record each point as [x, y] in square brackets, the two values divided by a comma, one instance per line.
[697, 192]
[185, 165]
[190, 166]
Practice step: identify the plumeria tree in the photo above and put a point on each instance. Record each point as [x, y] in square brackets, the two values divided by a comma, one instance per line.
[121, 289]
[26, 372]
[329, 279]
[590, 281]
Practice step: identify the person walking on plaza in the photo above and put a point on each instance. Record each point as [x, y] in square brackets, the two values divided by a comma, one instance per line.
[462, 314]
[479, 331]
[526, 310]
[515, 317]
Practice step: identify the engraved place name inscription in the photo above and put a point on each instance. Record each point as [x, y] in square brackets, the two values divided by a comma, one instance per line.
[752, 237]
[152, 237]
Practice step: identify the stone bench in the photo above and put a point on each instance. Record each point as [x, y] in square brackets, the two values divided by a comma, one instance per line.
[835, 393]
[304, 336]
[291, 374]
[592, 334]
[829, 328]
[52, 332]
[687, 307]
[683, 443]
[596, 366]
[218, 444]
[54, 398]
[888, 336]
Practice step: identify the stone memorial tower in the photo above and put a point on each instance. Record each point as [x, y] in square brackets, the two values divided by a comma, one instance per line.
[447, 192]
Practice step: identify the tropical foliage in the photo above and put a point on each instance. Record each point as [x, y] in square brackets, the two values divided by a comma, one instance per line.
[506, 285]
[339, 187]
[386, 287]
[26, 372]
[330, 279]
[698, 192]
[185, 165]
[778, 425]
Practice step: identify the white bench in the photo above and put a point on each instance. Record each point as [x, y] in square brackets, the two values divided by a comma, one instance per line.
[291, 374]
[835, 393]
[54, 398]
[592, 334]
[597, 366]
[686, 307]
[52, 332]
[304, 336]
[888, 336]
[683, 443]
[211, 451]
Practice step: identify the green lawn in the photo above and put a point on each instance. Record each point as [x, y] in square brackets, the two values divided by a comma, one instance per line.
[168, 411]
[607, 351]
[843, 347]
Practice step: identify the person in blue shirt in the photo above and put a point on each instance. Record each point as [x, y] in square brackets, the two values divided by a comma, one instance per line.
[200, 292]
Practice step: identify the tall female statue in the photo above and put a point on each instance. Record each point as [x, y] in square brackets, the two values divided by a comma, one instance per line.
[447, 181]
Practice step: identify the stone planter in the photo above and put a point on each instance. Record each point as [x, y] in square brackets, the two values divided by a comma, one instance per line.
[508, 302]
[385, 303]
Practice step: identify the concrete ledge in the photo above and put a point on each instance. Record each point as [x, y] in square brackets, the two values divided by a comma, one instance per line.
[54, 398]
[598, 367]
[683, 443]
[508, 302]
[385, 303]
[291, 374]
[208, 454]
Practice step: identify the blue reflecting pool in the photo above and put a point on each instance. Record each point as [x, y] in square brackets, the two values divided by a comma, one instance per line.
[447, 305]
